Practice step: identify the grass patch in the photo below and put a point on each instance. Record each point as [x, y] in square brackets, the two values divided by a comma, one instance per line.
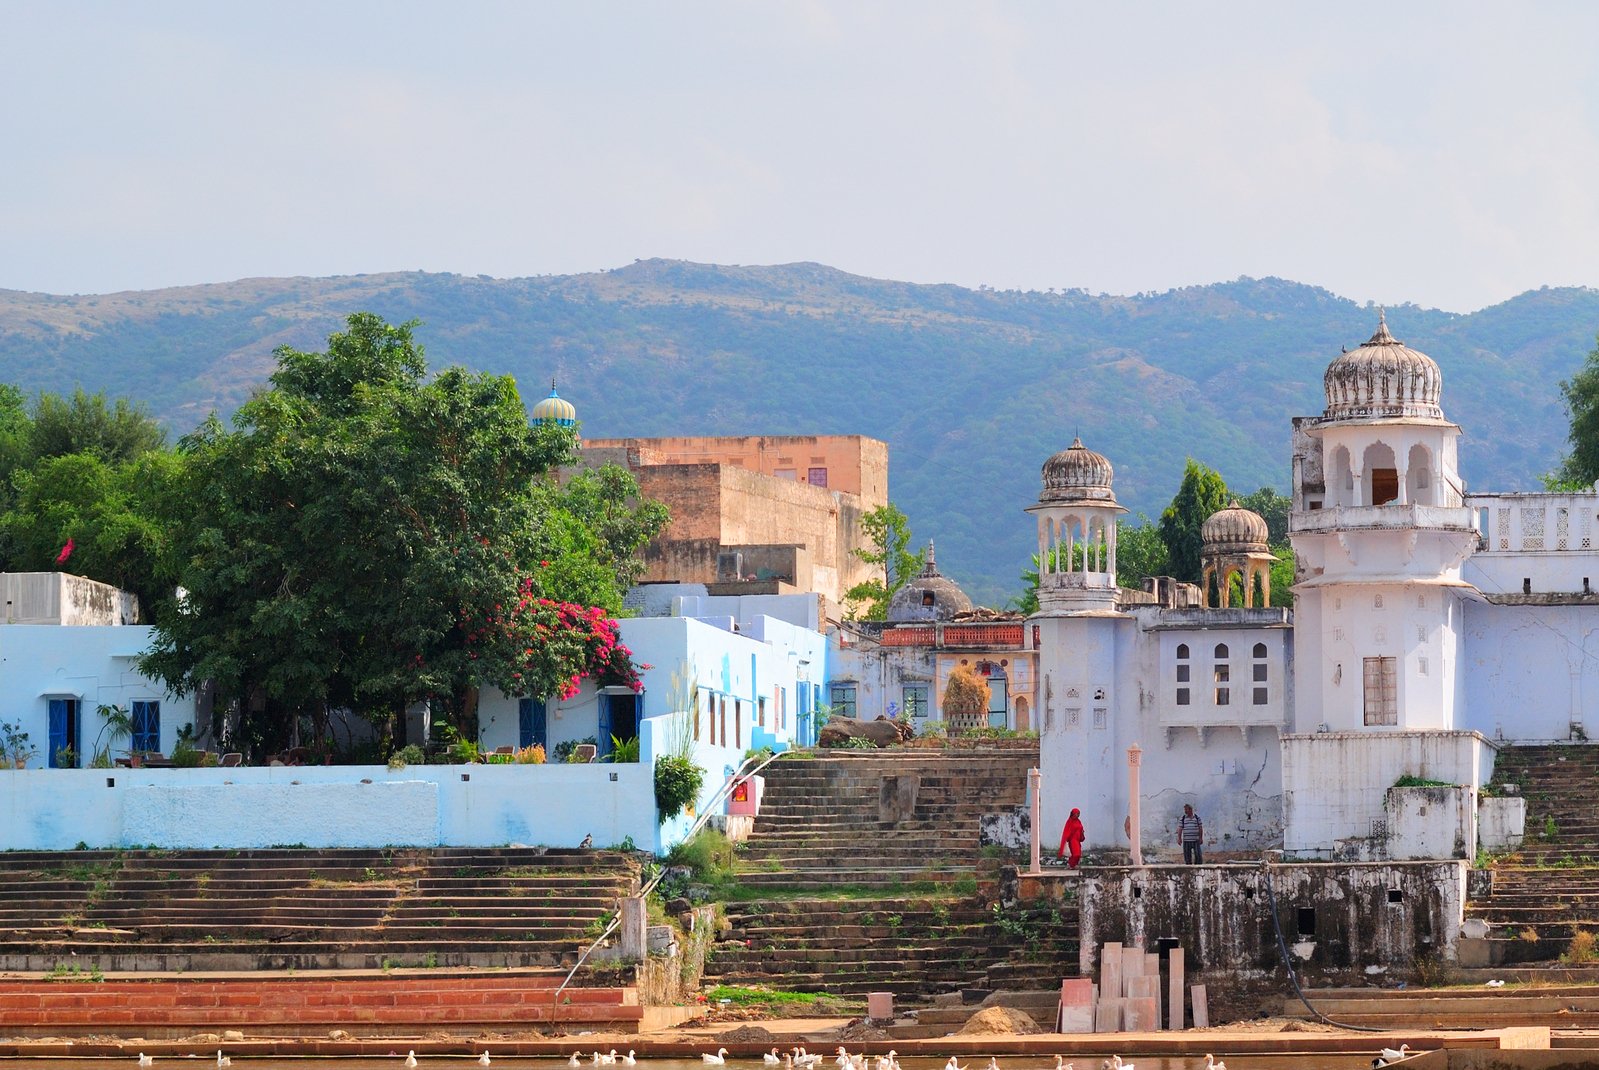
[781, 1001]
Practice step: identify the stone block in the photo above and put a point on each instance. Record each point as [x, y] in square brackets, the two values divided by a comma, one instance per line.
[1201, 1011]
[1141, 1015]
[1108, 1016]
[1174, 1002]
[880, 1006]
[1142, 990]
[1076, 1013]
[1132, 965]
[1110, 972]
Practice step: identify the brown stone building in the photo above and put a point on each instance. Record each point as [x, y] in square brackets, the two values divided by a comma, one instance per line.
[781, 512]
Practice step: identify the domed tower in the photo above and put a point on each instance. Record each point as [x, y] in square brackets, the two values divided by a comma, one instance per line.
[555, 410]
[1084, 644]
[1380, 529]
[1235, 543]
[929, 595]
[1076, 514]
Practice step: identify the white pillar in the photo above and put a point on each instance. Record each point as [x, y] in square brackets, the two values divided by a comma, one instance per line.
[1135, 757]
[1034, 781]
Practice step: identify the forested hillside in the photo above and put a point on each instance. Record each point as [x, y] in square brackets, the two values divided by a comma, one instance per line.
[972, 389]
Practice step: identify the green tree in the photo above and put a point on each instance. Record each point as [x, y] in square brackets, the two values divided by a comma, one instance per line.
[888, 535]
[363, 538]
[1203, 493]
[1580, 468]
[1273, 509]
[88, 423]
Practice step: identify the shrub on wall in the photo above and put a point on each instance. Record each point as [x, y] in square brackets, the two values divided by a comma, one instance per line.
[677, 784]
[965, 697]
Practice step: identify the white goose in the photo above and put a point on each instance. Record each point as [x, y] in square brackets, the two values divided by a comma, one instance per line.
[1391, 1055]
[483, 1060]
[223, 1060]
[993, 1064]
[628, 1059]
[146, 1060]
[771, 1059]
[1212, 1063]
[1061, 1064]
[410, 1060]
[953, 1065]
[1115, 1063]
[575, 1060]
[608, 1060]
[719, 1059]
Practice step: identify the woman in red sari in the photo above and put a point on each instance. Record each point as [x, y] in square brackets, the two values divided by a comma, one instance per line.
[1072, 836]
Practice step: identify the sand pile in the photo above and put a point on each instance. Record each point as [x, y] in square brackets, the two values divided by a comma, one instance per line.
[1000, 1020]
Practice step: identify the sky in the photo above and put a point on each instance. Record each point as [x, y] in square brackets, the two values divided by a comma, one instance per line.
[1439, 153]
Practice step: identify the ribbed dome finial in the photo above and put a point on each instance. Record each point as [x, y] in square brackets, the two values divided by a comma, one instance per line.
[1384, 378]
[1079, 474]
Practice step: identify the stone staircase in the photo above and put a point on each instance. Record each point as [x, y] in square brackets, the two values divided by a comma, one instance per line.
[1539, 897]
[304, 909]
[872, 878]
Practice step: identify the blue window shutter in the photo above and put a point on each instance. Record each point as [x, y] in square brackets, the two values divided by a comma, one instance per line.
[603, 736]
[59, 729]
[531, 723]
[146, 726]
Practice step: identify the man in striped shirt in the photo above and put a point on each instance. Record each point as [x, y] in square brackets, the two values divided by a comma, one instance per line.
[1191, 834]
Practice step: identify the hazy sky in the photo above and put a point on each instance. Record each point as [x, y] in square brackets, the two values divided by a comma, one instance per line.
[1444, 153]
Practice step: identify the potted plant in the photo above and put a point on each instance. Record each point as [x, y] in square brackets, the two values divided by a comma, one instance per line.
[15, 750]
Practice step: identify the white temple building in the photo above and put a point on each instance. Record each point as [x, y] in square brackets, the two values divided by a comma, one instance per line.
[1430, 627]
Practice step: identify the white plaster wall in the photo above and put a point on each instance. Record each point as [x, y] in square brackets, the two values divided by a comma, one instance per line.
[1501, 823]
[1504, 573]
[1335, 783]
[1417, 624]
[345, 806]
[1084, 762]
[1532, 671]
[95, 663]
[768, 659]
[1431, 822]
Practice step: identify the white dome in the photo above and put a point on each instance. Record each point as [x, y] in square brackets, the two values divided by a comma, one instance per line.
[1382, 377]
[1078, 474]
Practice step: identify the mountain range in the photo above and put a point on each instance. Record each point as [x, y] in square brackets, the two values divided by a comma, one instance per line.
[972, 389]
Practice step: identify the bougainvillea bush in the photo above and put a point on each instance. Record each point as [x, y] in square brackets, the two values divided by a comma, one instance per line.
[538, 646]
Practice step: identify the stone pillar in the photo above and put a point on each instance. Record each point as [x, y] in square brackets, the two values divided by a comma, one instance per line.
[1135, 757]
[632, 929]
[1034, 791]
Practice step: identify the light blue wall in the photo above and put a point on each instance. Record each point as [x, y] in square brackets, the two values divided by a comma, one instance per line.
[93, 663]
[327, 806]
[1530, 671]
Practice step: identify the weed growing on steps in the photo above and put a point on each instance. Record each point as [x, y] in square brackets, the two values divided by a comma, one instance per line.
[1582, 949]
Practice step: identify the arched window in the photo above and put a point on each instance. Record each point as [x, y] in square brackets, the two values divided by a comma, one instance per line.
[1259, 692]
[1221, 651]
[1259, 651]
[1182, 674]
[1223, 676]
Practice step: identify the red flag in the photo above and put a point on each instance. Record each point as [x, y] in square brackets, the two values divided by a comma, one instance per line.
[66, 552]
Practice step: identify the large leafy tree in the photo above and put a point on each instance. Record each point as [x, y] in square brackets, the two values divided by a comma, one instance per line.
[362, 534]
[888, 537]
[78, 480]
[1202, 493]
[1580, 468]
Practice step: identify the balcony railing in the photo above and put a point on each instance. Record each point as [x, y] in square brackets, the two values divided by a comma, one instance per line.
[987, 636]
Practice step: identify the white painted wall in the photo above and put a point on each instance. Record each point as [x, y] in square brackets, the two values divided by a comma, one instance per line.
[1431, 822]
[1335, 783]
[1532, 670]
[93, 663]
[327, 806]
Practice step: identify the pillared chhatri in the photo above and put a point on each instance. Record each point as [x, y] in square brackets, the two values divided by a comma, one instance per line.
[1430, 625]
